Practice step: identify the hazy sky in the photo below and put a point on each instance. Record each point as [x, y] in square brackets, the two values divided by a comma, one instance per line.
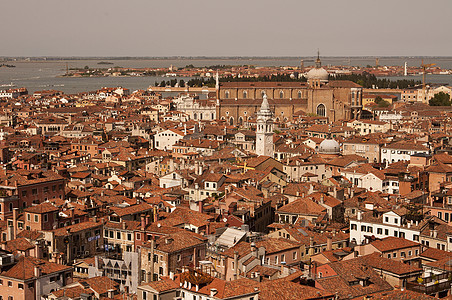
[225, 28]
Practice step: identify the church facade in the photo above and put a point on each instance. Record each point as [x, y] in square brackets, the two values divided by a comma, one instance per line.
[238, 102]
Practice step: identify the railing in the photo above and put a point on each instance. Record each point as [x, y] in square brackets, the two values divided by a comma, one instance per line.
[435, 288]
[437, 277]
[432, 284]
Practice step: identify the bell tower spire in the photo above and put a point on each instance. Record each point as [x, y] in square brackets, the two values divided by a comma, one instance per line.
[264, 131]
[318, 63]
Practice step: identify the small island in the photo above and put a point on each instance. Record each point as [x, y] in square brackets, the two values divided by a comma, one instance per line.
[105, 63]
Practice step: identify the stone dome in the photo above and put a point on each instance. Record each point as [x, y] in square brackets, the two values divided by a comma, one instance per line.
[318, 74]
[329, 146]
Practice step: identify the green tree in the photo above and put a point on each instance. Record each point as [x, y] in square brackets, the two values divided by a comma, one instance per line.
[384, 103]
[381, 103]
[440, 99]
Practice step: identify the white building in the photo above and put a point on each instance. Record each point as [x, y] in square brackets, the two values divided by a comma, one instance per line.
[391, 223]
[401, 151]
[165, 140]
[365, 176]
[10, 94]
[264, 132]
[364, 127]
[171, 180]
[198, 110]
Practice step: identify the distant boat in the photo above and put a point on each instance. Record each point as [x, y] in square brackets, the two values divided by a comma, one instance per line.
[8, 85]
[7, 66]
[105, 63]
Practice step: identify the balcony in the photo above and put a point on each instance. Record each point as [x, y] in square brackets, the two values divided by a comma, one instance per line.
[432, 284]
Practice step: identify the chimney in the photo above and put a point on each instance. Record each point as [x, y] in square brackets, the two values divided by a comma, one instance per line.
[201, 206]
[95, 219]
[208, 228]
[37, 249]
[147, 219]
[123, 225]
[143, 223]
[236, 264]
[37, 272]
[321, 199]
[254, 251]
[156, 214]
[329, 243]
[171, 275]
[15, 210]
[71, 213]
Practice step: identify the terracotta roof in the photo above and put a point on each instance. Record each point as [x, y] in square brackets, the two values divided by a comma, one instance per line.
[24, 268]
[65, 231]
[346, 282]
[393, 243]
[41, 208]
[287, 290]
[19, 244]
[398, 295]
[393, 266]
[302, 206]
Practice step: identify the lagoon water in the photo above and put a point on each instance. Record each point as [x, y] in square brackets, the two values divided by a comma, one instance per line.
[40, 75]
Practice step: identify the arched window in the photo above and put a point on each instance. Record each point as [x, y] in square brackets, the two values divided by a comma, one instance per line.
[281, 94]
[321, 111]
[226, 94]
[194, 116]
[299, 94]
[231, 121]
[240, 121]
[245, 94]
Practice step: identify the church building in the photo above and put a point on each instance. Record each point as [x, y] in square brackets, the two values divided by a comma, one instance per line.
[238, 102]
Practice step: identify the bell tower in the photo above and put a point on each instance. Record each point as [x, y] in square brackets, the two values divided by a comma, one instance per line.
[264, 131]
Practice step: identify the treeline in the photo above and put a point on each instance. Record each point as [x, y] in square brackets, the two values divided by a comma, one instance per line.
[214, 67]
[366, 80]
[195, 82]
[371, 81]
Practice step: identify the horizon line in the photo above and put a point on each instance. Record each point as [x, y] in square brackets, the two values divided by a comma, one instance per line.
[216, 56]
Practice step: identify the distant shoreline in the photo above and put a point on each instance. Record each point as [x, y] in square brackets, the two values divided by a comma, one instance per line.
[75, 58]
